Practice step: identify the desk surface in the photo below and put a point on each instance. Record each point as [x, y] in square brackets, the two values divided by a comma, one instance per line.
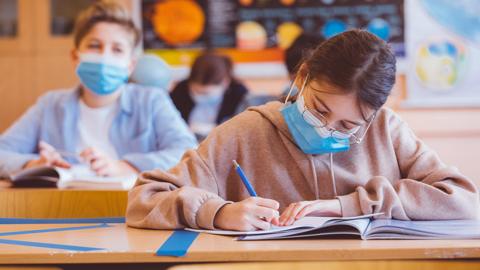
[362, 265]
[55, 203]
[129, 245]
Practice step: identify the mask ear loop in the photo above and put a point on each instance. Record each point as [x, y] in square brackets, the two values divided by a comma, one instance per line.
[291, 88]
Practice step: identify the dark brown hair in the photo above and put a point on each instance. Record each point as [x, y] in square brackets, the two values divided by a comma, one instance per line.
[300, 50]
[355, 60]
[211, 68]
[104, 11]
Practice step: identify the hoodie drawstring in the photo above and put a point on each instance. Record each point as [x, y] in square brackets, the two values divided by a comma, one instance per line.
[332, 176]
[315, 178]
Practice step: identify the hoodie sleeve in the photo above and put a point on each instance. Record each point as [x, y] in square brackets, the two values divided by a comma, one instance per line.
[185, 196]
[191, 193]
[429, 190]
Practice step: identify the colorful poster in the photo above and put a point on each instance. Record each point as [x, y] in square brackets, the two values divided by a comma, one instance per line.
[258, 31]
[443, 45]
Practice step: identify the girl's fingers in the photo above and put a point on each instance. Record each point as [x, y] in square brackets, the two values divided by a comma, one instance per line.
[261, 224]
[266, 213]
[267, 203]
[298, 207]
[286, 214]
[307, 210]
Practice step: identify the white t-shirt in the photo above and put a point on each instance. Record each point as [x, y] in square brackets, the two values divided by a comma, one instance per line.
[94, 128]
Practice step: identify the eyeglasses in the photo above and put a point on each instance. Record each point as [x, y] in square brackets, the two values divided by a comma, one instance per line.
[318, 120]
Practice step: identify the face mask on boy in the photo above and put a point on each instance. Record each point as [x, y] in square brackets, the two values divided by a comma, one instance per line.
[102, 75]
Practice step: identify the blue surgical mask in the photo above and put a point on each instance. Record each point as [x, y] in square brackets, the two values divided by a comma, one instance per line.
[213, 96]
[310, 139]
[102, 75]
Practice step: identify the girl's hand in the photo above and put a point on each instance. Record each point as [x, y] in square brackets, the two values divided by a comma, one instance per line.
[103, 165]
[251, 214]
[295, 211]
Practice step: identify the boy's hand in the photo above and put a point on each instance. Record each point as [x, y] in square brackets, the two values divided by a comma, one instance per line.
[48, 157]
[103, 165]
[251, 214]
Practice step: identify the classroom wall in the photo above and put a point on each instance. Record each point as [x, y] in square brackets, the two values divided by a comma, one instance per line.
[35, 62]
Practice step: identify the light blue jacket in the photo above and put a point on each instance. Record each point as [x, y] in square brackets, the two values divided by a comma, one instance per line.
[148, 131]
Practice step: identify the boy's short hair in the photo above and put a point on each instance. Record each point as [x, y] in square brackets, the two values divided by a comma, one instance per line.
[104, 11]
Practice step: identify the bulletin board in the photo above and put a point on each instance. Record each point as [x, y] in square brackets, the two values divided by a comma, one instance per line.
[443, 45]
[258, 31]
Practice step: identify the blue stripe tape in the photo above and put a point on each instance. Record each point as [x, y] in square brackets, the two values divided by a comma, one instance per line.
[103, 225]
[61, 220]
[177, 244]
[47, 245]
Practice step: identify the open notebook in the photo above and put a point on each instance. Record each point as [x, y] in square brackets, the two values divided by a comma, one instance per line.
[77, 177]
[363, 227]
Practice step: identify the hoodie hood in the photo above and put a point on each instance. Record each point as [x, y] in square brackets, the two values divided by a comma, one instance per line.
[271, 112]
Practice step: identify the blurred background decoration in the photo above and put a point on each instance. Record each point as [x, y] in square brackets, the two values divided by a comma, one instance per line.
[259, 31]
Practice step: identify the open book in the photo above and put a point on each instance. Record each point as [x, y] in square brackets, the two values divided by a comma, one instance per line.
[363, 227]
[77, 177]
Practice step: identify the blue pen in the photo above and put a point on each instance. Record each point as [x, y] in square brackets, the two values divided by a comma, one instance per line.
[244, 178]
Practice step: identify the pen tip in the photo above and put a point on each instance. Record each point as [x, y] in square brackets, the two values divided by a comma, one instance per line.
[235, 163]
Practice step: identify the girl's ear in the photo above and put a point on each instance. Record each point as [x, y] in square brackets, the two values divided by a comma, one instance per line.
[301, 75]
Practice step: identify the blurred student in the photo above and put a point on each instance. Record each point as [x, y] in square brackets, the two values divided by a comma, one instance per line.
[210, 95]
[152, 71]
[114, 127]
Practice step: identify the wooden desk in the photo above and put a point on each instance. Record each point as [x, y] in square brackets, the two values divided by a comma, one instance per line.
[54, 203]
[129, 245]
[357, 265]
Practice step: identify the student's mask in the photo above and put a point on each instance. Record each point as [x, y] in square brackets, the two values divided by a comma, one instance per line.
[102, 75]
[310, 139]
[214, 96]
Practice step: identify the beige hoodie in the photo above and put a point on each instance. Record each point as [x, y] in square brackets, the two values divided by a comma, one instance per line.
[391, 171]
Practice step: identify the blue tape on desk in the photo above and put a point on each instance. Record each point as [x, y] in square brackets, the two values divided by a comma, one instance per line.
[47, 245]
[177, 244]
[61, 220]
[103, 225]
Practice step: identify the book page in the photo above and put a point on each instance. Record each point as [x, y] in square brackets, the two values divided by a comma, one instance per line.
[81, 176]
[299, 225]
[306, 222]
[437, 229]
